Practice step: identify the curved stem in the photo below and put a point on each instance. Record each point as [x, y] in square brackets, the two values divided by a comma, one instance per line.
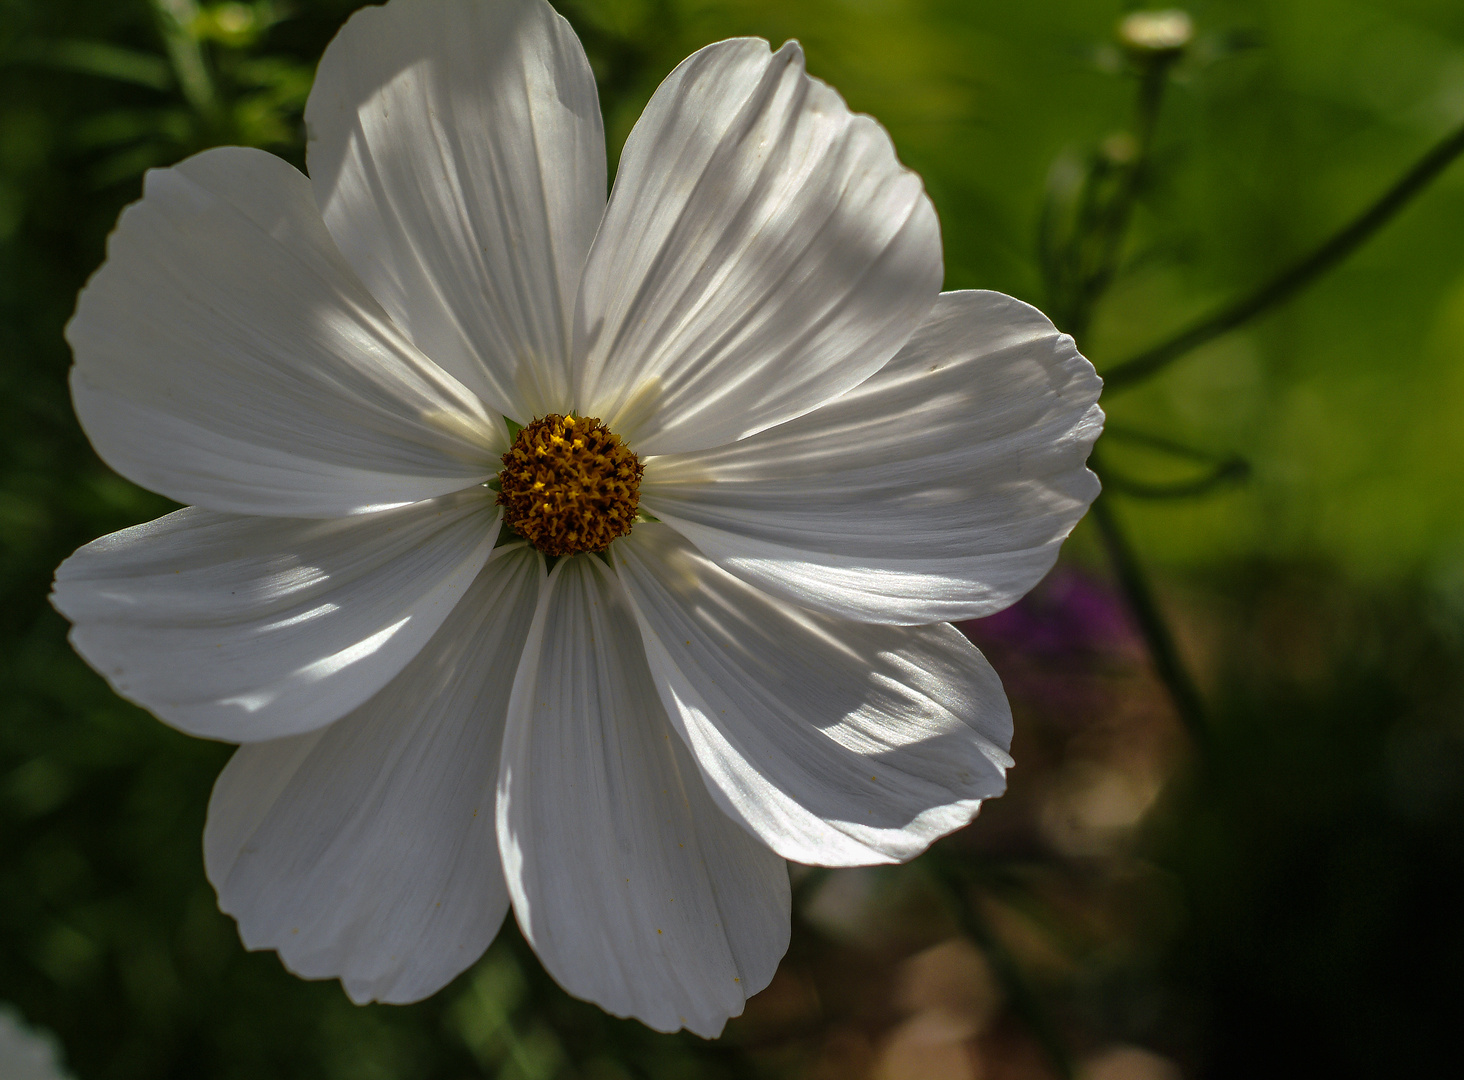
[1162, 648]
[1295, 277]
[1231, 470]
[1114, 431]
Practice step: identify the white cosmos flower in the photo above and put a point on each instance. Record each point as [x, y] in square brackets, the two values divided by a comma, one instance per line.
[623, 746]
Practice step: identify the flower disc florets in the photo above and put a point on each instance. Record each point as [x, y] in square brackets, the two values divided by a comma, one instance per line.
[569, 485]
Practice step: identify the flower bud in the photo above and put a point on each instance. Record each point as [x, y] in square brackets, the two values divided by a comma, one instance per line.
[1167, 31]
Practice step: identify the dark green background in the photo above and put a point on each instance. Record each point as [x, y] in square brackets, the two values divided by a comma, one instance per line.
[1314, 847]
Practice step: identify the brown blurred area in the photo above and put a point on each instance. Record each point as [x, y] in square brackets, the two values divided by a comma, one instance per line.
[1137, 907]
[887, 987]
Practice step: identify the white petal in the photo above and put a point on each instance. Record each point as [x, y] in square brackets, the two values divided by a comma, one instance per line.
[366, 851]
[940, 489]
[458, 154]
[28, 1053]
[839, 743]
[637, 893]
[762, 252]
[253, 628]
[227, 356]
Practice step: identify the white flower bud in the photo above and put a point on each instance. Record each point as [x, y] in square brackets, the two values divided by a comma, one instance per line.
[1157, 31]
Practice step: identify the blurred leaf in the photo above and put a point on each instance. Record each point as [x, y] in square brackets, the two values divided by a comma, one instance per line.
[101, 59]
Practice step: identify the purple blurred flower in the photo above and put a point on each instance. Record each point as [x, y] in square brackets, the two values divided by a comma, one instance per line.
[1068, 613]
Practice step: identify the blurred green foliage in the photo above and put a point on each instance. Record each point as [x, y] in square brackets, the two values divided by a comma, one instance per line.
[1318, 847]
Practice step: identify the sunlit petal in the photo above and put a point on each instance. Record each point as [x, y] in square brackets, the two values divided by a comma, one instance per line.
[941, 488]
[634, 889]
[227, 356]
[251, 628]
[364, 851]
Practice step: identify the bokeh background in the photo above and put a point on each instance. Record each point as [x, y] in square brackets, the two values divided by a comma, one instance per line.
[1268, 882]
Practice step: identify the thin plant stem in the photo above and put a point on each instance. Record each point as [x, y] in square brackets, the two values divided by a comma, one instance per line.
[190, 66]
[1157, 636]
[1114, 226]
[1295, 277]
[1121, 555]
[1108, 225]
[1232, 470]
[1116, 432]
[1020, 994]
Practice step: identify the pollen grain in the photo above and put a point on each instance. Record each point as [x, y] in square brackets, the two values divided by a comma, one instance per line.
[569, 485]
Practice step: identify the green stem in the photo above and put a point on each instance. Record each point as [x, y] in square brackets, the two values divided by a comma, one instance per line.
[1153, 81]
[1116, 432]
[190, 67]
[1130, 574]
[1160, 641]
[1081, 277]
[1020, 994]
[1295, 277]
[1231, 470]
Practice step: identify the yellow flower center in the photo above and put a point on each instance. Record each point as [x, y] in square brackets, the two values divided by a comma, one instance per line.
[569, 485]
